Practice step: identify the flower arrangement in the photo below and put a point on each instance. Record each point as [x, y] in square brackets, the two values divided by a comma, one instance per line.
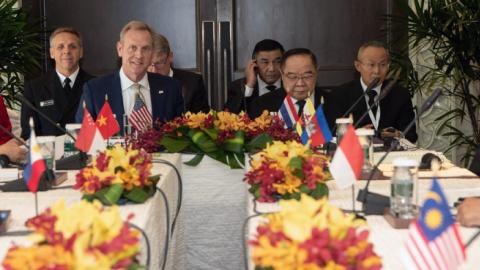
[284, 170]
[312, 234]
[118, 173]
[223, 136]
[83, 236]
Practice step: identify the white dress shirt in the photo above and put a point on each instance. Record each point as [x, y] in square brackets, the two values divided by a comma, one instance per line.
[374, 118]
[72, 77]
[129, 91]
[262, 87]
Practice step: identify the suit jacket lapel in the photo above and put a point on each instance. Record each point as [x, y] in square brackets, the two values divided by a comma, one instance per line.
[115, 98]
[157, 100]
[72, 104]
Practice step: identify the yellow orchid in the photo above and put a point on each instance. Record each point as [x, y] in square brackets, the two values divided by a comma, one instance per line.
[299, 235]
[196, 120]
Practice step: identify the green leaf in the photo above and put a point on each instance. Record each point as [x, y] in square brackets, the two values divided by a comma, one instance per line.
[233, 162]
[258, 143]
[211, 132]
[195, 160]
[202, 141]
[175, 145]
[154, 178]
[109, 195]
[320, 191]
[236, 143]
[296, 163]
[137, 195]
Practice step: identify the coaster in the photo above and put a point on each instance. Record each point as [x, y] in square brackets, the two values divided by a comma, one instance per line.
[396, 222]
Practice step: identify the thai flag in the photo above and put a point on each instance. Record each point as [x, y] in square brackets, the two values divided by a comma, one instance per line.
[288, 112]
[36, 165]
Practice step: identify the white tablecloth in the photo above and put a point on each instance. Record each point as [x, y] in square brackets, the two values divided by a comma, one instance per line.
[150, 216]
[388, 241]
[214, 208]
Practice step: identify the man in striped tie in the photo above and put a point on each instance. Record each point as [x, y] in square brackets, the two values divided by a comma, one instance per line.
[140, 117]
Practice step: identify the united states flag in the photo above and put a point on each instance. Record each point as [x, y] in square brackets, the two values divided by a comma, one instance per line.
[433, 240]
[140, 118]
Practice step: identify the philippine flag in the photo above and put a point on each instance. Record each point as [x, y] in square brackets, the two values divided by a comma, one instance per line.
[288, 113]
[36, 165]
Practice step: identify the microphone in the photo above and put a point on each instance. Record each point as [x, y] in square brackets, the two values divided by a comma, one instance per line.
[385, 91]
[372, 85]
[373, 203]
[74, 162]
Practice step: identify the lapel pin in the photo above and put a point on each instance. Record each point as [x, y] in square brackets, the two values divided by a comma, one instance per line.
[160, 92]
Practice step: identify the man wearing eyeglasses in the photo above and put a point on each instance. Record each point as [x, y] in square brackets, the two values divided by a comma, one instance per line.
[262, 75]
[195, 96]
[299, 76]
[132, 88]
[395, 111]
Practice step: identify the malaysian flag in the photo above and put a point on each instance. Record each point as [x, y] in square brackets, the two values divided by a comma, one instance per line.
[140, 118]
[433, 240]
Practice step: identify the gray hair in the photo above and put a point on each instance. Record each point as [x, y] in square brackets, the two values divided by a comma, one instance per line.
[66, 29]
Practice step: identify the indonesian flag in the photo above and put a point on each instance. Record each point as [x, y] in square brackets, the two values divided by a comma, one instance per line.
[89, 139]
[346, 166]
[106, 122]
[36, 165]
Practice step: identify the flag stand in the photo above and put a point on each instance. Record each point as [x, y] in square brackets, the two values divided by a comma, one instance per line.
[36, 203]
[353, 199]
[475, 236]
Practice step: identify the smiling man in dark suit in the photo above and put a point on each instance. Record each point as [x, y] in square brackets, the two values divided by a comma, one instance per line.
[262, 75]
[395, 111]
[195, 96]
[58, 92]
[299, 77]
[161, 95]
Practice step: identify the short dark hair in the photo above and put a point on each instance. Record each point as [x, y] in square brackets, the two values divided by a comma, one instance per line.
[299, 51]
[267, 45]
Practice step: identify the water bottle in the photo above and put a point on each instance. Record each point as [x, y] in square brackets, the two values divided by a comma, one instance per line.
[365, 138]
[69, 144]
[401, 189]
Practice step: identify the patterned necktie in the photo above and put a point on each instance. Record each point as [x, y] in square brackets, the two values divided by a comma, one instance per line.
[271, 87]
[301, 104]
[371, 100]
[66, 85]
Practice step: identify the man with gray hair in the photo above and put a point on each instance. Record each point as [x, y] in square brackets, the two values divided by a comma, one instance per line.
[194, 94]
[132, 88]
[58, 92]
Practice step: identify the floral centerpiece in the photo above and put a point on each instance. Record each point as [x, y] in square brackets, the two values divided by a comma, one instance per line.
[284, 170]
[118, 173]
[312, 234]
[223, 136]
[83, 236]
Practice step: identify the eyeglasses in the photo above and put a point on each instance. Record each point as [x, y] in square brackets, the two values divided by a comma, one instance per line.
[371, 66]
[159, 64]
[306, 77]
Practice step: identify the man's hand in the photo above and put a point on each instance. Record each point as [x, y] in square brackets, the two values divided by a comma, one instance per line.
[250, 73]
[468, 213]
[14, 150]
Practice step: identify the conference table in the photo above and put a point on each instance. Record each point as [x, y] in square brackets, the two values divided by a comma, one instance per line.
[149, 216]
[456, 182]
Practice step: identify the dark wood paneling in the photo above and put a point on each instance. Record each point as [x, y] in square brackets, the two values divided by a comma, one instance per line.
[333, 30]
[100, 23]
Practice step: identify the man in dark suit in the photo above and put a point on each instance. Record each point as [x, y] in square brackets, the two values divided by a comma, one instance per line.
[262, 75]
[195, 96]
[160, 94]
[299, 76]
[395, 111]
[58, 92]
